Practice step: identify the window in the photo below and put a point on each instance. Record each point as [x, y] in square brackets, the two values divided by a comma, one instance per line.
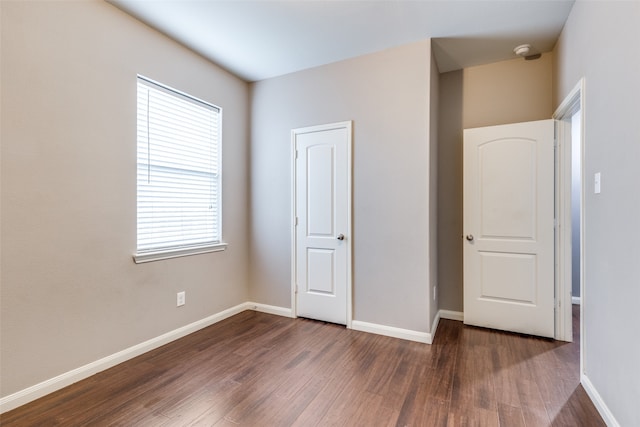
[179, 178]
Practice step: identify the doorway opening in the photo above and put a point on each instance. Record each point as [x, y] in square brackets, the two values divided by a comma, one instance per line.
[570, 214]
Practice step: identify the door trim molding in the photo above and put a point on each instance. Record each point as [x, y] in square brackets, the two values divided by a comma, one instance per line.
[348, 125]
[573, 102]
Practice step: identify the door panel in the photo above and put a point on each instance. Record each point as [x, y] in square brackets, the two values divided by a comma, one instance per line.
[322, 251]
[508, 277]
[320, 272]
[507, 189]
[321, 189]
[509, 227]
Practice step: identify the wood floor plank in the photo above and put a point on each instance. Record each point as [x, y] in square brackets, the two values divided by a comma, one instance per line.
[506, 371]
[533, 408]
[510, 416]
[578, 405]
[473, 383]
[371, 411]
[420, 407]
[207, 404]
[258, 369]
[323, 402]
[473, 417]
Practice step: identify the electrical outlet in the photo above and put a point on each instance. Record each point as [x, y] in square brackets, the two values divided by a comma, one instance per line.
[181, 298]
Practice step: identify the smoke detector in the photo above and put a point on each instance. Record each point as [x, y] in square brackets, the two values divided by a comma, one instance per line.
[522, 50]
[525, 51]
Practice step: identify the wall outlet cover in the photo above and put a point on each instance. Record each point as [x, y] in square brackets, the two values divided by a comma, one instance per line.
[181, 299]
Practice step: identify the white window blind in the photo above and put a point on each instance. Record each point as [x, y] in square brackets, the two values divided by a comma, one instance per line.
[178, 170]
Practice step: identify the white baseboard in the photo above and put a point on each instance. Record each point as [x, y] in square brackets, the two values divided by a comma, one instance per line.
[270, 309]
[434, 326]
[390, 331]
[56, 383]
[406, 334]
[602, 408]
[356, 325]
[451, 315]
[576, 300]
[36, 391]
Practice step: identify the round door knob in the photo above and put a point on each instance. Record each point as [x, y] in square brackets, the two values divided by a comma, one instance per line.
[470, 237]
[340, 236]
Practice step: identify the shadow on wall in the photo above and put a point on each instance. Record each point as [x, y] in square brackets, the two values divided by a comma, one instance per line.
[450, 191]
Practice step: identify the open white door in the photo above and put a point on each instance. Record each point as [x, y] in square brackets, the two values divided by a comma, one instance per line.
[322, 222]
[509, 227]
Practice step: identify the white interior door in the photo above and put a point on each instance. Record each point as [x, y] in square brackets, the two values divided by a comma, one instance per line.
[322, 218]
[509, 227]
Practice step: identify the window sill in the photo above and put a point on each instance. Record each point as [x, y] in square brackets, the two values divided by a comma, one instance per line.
[143, 257]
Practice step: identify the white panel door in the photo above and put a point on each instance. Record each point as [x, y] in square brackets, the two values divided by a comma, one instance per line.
[509, 227]
[322, 254]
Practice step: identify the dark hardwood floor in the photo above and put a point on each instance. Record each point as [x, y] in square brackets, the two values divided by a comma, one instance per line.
[256, 369]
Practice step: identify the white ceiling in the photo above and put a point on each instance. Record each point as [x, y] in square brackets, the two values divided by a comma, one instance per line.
[261, 39]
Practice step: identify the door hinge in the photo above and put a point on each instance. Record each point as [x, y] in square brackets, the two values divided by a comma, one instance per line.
[296, 288]
[296, 154]
[295, 222]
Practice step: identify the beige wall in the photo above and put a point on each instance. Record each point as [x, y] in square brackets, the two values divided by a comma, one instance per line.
[386, 94]
[595, 45]
[71, 293]
[499, 93]
[507, 92]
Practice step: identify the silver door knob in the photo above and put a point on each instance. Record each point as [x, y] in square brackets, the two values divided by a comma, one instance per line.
[340, 237]
[470, 237]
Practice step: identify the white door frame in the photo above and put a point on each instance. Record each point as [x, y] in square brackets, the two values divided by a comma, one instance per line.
[348, 125]
[569, 106]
